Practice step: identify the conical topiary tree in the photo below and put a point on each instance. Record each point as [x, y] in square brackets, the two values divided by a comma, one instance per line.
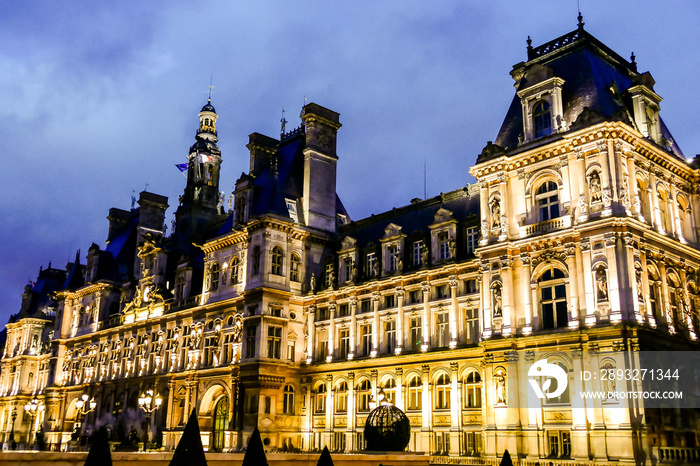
[325, 459]
[189, 451]
[505, 460]
[99, 454]
[255, 453]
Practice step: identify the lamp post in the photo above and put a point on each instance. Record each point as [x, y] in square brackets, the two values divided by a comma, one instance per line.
[13, 444]
[84, 407]
[33, 408]
[148, 404]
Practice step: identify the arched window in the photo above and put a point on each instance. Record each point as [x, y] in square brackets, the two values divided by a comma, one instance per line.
[235, 267]
[320, 399]
[442, 392]
[547, 200]
[415, 393]
[542, 119]
[277, 255]
[390, 390]
[295, 267]
[256, 260]
[553, 299]
[288, 400]
[472, 390]
[364, 393]
[214, 277]
[220, 423]
[341, 397]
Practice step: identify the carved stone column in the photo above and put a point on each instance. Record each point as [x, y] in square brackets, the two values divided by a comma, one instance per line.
[353, 328]
[311, 334]
[331, 333]
[398, 397]
[613, 278]
[375, 324]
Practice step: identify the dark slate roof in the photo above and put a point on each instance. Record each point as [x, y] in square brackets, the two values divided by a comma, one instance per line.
[414, 218]
[589, 70]
[272, 186]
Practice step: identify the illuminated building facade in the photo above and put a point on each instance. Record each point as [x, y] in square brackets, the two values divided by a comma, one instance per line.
[578, 241]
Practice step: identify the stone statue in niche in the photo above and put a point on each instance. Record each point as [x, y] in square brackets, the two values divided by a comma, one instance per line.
[594, 187]
[638, 279]
[607, 199]
[424, 255]
[504, 225]
[583, 204]
[497, 302]
[500, 378]
[453, 247]
[601, 281]
[495, 214]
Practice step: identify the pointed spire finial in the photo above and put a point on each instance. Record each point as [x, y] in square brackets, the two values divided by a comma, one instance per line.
[211, 87]
[633, 61]
[529, 48]
[580, 20]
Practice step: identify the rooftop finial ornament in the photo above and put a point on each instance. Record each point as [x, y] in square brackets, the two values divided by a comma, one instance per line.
[633, 61]
[580, 20]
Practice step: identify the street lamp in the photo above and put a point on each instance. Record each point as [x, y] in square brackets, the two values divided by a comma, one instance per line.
[13, 444]
[84, 407]
[33, 408]
[148, 404]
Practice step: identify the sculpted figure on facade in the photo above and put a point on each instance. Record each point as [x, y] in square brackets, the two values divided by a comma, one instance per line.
[495, 214]
[424, 254]
[312, 283]
[594, 187]
[500, 380]
[497, 301]
[601, 280]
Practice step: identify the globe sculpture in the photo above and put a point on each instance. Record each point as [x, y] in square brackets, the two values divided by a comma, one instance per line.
[387, 429]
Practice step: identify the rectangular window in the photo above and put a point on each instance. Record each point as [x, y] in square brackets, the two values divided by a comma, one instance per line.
[323, 314]
[365, 305]
[472, 443]
[442, 442]
[471, 326]
[366, 339]
[250, 342]
[472, 239]
[393, 253]
[371, 265]
[444, 246]
[344, 338]
[343, 310]
[274, 342]
[389, 301]
[390, 335]
[416, 296]
[417, 253]
[470, 286]
[416, 324]
[347, 269]
[441, 292]
[322, 349]
[443, 329]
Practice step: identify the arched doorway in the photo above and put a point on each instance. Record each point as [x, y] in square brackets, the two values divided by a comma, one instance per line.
[220, 423]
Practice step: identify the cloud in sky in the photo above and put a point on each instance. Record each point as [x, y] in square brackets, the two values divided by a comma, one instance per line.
[101, 98]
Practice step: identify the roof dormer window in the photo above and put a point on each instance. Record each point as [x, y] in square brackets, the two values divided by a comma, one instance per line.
[542, 119]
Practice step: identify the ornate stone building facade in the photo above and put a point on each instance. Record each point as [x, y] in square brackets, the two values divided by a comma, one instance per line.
[577, 244]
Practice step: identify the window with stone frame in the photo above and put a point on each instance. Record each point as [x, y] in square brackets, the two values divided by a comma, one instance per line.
[344, 339]
[442, 331]
[390, 335]
[393, 256]
[341, 397]
[371, 264]
[553, 301]
[416, 329]
[250, 337]
[542, 119]
[214, 277]
[277, 256]
[235, 267]
[288, 400]
[547, 200]
[442, 392]
[472, 239]
[559, 443]
[364, 395]
[320, 398]
[472, 390]
[414, 387]
[471, 326]
[274, 342]
[417, 253]
[366, 339]
[295, 267]
[444, 245]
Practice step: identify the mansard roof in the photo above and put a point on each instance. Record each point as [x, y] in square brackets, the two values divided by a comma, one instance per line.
[415, 218]
[595, 89]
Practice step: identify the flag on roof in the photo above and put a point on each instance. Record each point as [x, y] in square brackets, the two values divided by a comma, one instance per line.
[205, 158]
[182, 167]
